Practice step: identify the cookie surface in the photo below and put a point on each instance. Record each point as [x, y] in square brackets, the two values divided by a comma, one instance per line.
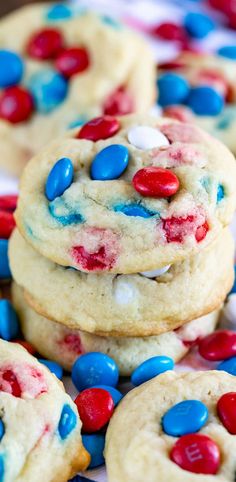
[112, 206]
[138, 448]
[63, 345]
[125, 305]
[36, 443]
[61, 79]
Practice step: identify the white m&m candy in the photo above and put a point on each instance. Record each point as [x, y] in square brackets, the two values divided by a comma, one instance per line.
[156, 272]
[144, 137]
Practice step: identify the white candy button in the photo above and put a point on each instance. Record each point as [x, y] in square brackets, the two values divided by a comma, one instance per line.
[124, 292]
[156, 272]
[144, 137]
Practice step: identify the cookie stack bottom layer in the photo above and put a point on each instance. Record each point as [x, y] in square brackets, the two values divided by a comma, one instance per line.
[59, 343]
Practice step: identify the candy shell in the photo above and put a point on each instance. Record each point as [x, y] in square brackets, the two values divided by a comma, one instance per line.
[169, 31]
[228, 366]
[68, 422]
[116, 395]
[94, 444]
[2, 430]
[145, 137]
[9, 325]
[156, 272]
[219, 345]
[8, 202]
[16, 105]
[94, 368]
[11, 68]
[109, 163]
[184, 418]
[155, 182]
[59, 11]
[205, 101]
[7, 224]
[173, 89]
[196, 453]
[226, 409]
[45, 44]
[95, 407]
[134, 209]
[151, 368]
[48, 89]
[72, 61]
[54, 367]
[99, 128]
[5, 271]
[59, 179]
[228, 51]
[198, 25]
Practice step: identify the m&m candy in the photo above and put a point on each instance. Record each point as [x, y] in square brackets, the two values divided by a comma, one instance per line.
[169, 31]
[48, 89]
[109, 163]
[9, 325]
[59, 178]
[145, 137]
[16, 105]
[218, 345]
[184, 418]
[45, 44]
[94, 444]
[198, 25]
[54, 367]
[99, 128]
[196, 453]
[173, 89]
[5, 271]
[94, 368]
[67, 422]
[151, 368]
[228, 51]
[156, 182]
[228, 365]
[72, 61]
[226, 409]
[11, 68]
[95, 407]
[205, 100]
[116, 395]
[7, 224]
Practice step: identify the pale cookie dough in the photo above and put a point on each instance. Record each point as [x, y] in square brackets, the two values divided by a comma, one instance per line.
[125, 305]
[40, 425]
[137, 449]
[63, 345]
[89, 227]
[119, 61]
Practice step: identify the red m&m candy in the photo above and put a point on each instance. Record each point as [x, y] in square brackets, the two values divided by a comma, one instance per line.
[155, 182]
[226, 408]
[71, 61]
[30, 348]
[99, 128]
[95, 407]
[45, 44]
[16, 105]
[218, 345]
[8, 202]
[170, 31]
[119, 102]
[7, 224]
[196, 453]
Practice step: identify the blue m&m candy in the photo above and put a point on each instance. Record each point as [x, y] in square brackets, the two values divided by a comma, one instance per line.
[68, 422]
[94, 444]
[228, 365]
[2, 430]
[205, 100]
[233, 290]
[228, 51]
[59, 178]
[53, 367]
[185, 417]
[9, 325]
[198, 25]
[134, 209]
[173, 89]
[94, 368]
[59, 11]
[116, 395]
[48, 88]
[11, 68]
[151, 368]
[5, 271]
[220, 193]
[110, 163]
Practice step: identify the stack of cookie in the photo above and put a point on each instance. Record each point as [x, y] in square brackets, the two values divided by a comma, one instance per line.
[120, 225]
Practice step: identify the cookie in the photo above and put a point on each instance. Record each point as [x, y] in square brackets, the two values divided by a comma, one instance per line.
[210, 82]
[62, 66]
[63, 345]
[39, 425]
[125, 305]
[180, 424]
[152, 193]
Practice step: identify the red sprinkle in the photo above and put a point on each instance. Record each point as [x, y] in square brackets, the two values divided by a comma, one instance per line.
[16, 105]
[72, 61]
[99, 128]
[219, 345]
[8, 202]
[95, 407]
[119, 102]
[226, 408]
[45, 44]
[196, 453]
[73, 343]
[155, 182]
[30, 348]
[10, 377]
[170, 31]
[7, 224]
[177, 229]
[91, 261]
